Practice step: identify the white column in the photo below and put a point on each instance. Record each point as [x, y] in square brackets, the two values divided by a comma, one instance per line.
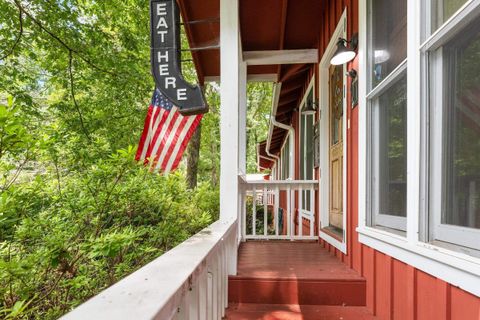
[229, 108]
[242, 117]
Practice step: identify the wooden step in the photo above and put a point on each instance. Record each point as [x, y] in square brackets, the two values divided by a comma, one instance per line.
[294, 273]
[296, 312]
[297, 291]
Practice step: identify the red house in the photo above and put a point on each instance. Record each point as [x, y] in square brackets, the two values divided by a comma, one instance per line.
[372, 208]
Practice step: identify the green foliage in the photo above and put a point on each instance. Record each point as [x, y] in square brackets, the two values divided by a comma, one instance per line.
[76, 212]
[101, 225]
[258, 119]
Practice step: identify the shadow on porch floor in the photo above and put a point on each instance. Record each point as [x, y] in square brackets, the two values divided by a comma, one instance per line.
[294, 280]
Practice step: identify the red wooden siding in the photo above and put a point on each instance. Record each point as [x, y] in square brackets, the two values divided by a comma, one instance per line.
[395, 290]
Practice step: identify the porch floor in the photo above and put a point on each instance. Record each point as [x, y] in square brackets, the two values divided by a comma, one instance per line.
[287, 259]
[294, 280]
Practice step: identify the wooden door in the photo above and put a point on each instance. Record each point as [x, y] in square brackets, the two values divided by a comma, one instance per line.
[336, 147]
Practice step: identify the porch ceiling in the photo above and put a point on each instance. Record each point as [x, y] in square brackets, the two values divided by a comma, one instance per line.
[265, 25]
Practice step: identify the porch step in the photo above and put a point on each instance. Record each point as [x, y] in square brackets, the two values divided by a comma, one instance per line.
[334, 292]
[296, 312]
[294, 273]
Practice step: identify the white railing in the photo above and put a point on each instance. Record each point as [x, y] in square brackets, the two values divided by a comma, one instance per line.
[269, 209]
[188, 282]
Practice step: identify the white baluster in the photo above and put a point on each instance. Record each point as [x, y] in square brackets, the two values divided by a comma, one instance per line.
[300, 211]
[265, 211]
[275, 210]
[254, 211]
[312, 210]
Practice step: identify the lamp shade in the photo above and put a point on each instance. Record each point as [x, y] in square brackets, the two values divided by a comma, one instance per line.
[343, 54]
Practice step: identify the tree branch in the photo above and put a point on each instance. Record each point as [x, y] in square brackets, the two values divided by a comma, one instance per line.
[20, 34]
[59, 40]
[72, 91]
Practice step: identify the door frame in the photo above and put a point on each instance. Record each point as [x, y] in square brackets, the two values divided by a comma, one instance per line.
[324, 181]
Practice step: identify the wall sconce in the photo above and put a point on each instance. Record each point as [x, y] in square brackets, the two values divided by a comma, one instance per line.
[310, 107]
[345, 53]
[352, 73]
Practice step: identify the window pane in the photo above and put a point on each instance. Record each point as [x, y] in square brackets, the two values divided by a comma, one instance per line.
[309, 147]
[442, 10]
[461, 105]
[388, 37]
[391, 115]
[302, 147]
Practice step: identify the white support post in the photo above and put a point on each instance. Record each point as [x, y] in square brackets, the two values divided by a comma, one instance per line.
[242, 141]
[265, 211]
[276, 214]
[242, 118]
[243, 208]
[312, 210]
[229, 108]
[254, 211]
[289, 213]
[300, 211]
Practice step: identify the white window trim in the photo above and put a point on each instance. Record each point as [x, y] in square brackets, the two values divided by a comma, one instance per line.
[324, 194]
[311, 212]
[457, 235]
[451, 266]
[286, 143]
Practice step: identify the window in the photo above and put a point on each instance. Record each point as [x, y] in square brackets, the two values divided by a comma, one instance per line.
[453, 80]
[438, 100]
[306, 151]
[285, 158]
[387, 103]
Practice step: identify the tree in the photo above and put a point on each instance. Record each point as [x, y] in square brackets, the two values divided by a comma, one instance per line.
[193, 153]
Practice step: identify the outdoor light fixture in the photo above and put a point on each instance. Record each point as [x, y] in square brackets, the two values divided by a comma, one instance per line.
[352, 73]
[345, 53]
[310, 107]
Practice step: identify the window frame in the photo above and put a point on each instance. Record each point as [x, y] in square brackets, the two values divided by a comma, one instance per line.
[455, 267]
[306, 202]
[395, 224]
[456, 237]
[285, 153]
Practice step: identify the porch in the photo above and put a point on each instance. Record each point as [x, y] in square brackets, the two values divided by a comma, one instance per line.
[274, 279]
[294, 280]
[264, 259]
[266, 264]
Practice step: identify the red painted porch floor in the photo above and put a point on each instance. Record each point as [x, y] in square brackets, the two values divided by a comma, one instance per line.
[294, 280]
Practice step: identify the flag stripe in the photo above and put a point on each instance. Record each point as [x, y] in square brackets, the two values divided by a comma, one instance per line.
[165, 135]
[160, 118]
[161, 136]
[177, 153]
[144, 142]
[175, 125]
[176, 138]
[153, 114]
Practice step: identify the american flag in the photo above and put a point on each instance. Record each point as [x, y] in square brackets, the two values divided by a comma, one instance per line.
[165, 135]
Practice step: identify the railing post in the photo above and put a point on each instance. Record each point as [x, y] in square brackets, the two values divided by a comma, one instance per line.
[291, 231]
[300, 211]
[231, 254]
[203, 293]
[221, 275]
[243, 209]
[312, 210]
[210, 294]
[265, 211]
[276, 205]
[254, 211]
